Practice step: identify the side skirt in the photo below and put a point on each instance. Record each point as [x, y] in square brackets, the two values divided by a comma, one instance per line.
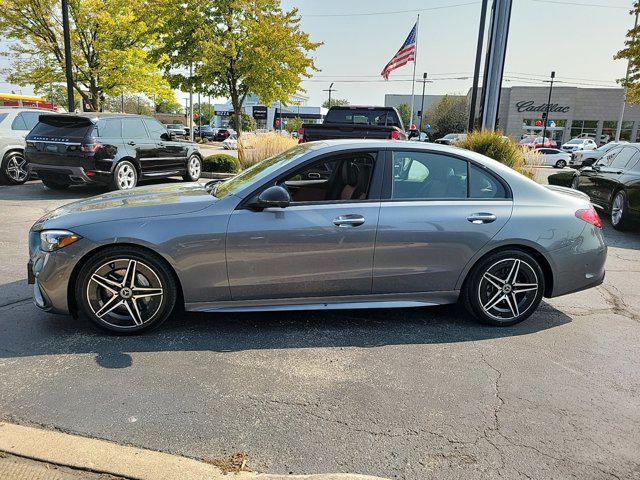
[393, 300]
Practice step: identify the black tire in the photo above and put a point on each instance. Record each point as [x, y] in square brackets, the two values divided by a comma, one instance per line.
[561, 164]
[124, 176]
[55, 185]
[14, 169]
[111, 270]
[499, 308]
[620, 218]
[575, 183]
[194, 169]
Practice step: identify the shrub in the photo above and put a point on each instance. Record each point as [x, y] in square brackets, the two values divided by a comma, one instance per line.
[255, 148]
[247, 121]
[501, 149]
[221, 163]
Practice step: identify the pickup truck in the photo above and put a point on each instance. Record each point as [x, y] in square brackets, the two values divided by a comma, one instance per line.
[355, 122]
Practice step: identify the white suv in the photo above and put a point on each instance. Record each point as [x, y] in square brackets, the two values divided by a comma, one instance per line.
[15, 123]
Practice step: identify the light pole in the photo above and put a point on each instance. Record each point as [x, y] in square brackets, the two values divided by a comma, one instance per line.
[476, 72]
[546, 115]
[67, 54]
[424, 83]
[624, 94]
[330, 89]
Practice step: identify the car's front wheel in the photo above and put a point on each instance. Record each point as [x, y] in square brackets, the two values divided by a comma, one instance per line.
[620, 211]
[14, 169]
[125, 290]
[194, 169]
[504, 288]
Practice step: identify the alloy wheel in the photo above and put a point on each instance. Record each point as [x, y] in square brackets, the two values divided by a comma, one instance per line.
[17, 168]
[125, 293]
[507, 289]
[126, 177]
[194, 167]
[617, 209]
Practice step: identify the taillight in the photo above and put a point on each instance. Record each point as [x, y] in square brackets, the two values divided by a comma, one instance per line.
[395, 135]
[589, 215]
[91, 147]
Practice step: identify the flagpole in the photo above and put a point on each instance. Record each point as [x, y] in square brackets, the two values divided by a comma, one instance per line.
[413, 79]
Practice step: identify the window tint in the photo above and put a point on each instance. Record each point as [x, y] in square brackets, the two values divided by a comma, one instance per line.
[484, 185]
[421, 175]
[30, 119]
[18, 123]
[62, 126]
[623, 158]
[156, 129]
[3, 116]
[608, 157]
[133, 128]
[110, 128]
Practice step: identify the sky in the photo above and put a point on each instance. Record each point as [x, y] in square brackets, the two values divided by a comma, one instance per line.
[576, 38]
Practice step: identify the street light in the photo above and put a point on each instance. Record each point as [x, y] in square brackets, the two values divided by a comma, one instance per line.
[546, 115]
[67, 54]
[424, 83]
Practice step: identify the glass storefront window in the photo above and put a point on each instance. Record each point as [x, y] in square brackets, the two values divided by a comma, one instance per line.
[609, 129]
[584, 127]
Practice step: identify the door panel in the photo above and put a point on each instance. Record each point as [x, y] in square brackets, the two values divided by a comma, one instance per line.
[298, 251]
[424, 245]
[171, 155]
[136, 138]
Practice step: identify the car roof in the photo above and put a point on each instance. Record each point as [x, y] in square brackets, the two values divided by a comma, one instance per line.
[26, 109]
[95, 116]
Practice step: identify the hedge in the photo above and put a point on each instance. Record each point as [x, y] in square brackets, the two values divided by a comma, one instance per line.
[221, 163]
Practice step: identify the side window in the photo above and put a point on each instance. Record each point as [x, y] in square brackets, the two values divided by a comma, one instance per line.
[133, 128]
[332, 179]
[156, 129]
[608, 157]
[484, 185]
[623, 158]
[110, 128]
[18, 123]
[422, 175]
[30, 119]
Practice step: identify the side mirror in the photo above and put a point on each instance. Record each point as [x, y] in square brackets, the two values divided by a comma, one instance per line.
[275, 196]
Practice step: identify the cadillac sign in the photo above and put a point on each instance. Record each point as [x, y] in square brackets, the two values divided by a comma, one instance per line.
[530, 106]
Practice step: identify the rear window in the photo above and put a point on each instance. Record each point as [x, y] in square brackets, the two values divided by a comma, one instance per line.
[109, 128]
[363, 116]
[62, 126]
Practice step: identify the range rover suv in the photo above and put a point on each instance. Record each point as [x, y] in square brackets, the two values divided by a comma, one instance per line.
[111, 150]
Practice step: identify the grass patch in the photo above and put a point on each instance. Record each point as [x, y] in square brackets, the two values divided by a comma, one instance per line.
[236, 463]
[253, 149]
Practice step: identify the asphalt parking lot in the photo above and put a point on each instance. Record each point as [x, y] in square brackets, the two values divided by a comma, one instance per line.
[409, 394]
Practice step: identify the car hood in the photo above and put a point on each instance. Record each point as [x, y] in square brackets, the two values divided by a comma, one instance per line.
[151, 201]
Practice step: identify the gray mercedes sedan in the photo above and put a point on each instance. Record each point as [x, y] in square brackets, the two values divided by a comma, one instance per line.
[324, 225]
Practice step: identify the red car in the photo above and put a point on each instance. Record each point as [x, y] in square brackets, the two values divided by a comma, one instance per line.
[536, 142]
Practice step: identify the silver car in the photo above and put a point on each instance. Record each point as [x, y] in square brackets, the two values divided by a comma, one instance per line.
[324, 225]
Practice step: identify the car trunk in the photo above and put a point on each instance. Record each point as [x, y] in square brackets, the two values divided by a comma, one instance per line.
[58, 140]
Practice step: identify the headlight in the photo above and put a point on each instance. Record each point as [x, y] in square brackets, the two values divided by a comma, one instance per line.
[51, 240]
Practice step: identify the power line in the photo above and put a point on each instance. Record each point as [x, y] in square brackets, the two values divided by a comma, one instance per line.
[579, 4]
[388, 13]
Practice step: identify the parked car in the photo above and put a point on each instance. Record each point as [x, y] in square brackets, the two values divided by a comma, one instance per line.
[613, 184]
[111, 150]
[420, 137]
[299, 230]
[231, 142]
[553, 157]
[221, 134]
[352, 121]
[176, 129]
[15, 123]
[451, 138]
[586, 158]
[205, 131]
[579, 144]
[537, 142]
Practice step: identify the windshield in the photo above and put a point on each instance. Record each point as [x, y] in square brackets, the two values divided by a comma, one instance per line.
[261, 170]
[608, 146]
[575, 141]
[450, 136]
[175, 125]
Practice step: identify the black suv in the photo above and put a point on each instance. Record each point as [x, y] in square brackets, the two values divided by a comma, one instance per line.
[111, 150]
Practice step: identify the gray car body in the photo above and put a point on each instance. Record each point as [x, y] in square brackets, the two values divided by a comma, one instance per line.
[409, 253]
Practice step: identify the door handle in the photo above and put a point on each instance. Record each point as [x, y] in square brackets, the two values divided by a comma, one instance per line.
[479, 218]
[313, 176]
[131, 143]
[344, 221]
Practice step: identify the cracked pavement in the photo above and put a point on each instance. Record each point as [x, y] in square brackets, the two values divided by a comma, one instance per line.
[407, 394]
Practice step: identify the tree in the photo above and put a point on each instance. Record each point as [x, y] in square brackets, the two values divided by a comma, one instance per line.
[110, 47]
[248, 122]
[405, 112]
[448, 115]
[631, 52]
[293, 124]
[169, 106]
[237, 47]
[132, 104]
[335, 102]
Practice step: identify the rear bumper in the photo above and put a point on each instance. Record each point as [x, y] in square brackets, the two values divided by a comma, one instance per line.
[71, 175]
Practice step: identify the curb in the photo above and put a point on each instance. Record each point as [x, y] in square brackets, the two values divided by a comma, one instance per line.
[217, 175]
[105, 457]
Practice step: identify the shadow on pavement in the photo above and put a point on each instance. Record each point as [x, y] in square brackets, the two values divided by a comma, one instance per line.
[25, 331]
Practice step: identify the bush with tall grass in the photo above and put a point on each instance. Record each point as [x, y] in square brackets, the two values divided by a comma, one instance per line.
[255, 148]
[495, 145]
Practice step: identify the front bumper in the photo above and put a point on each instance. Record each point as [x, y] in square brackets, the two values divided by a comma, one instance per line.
[71, 175]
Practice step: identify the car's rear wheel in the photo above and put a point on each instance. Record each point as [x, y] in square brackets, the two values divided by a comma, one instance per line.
[125, 176]
[14, 169]
[575, 183]
[620, 211]
[194, 169]
[561, 163]
[53, 185]
[126, 290]
[504, 288]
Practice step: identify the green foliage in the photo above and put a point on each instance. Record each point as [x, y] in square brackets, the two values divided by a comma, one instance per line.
[293, 124]
[631, 52]
[248, 122]
[132, 104]
[221, 163]
[169, 106]
[110, 47]
[335, 102]
[494, 145]
[449, 115]
[405, 112]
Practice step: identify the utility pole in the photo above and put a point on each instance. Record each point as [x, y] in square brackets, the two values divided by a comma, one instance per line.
[624, 94]
[67, 54]
[546, 114]
[190, 102]
[494, 63]
[476, 72]
[122, 103]
[199, 117]
[330, 89]
[424, 83]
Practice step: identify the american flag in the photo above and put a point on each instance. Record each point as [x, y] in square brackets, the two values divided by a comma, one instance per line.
[406, 54]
